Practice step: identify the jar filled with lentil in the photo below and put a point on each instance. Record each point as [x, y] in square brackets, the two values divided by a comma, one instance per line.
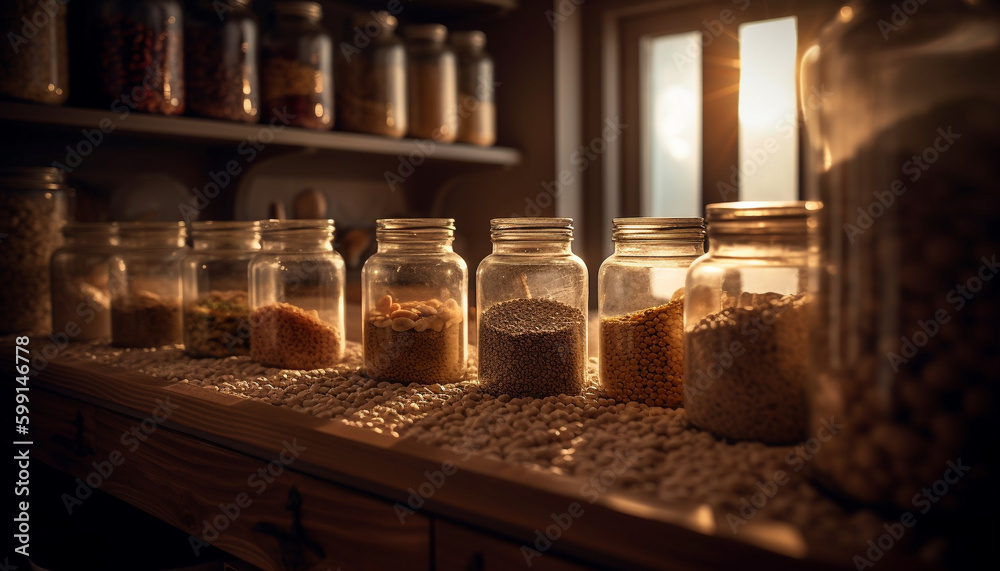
[747, 316]
[142, 55]
[297, 296]
[477, 121]
[146, 284]
[80, 270]
[221, 50]
[415, 303]
[33, 209]
[216, 288]
[297, 68]
[640, 292]
[432, 83]
[531, 296]
[371, 92]
[35, 66]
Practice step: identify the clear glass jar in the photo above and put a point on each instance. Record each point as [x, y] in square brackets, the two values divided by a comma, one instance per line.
[81, 294]
[477, 115]
[297, 67]
[371, 93]
[216, 288]
[640, 292]
[33, 210]
[297, 296]
[531, 302]
[35, 67]
[746, 320]
[221, 50]
[906, 358]
[142, 56]
[415, 302]
[146, 284]
[432, 83]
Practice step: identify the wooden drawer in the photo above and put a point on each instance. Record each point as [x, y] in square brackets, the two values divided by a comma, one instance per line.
[459, 548]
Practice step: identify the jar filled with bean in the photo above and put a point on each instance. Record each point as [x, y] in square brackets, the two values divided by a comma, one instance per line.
[81, 293]
[221, 50]
[371, 92]
[432, 83]
[477, 121]
[35, 66]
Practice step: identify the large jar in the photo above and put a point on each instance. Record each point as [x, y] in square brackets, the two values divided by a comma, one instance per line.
[640, 292]
[146, 284]
[746, 322]
[142, 56]
[415, 303]
[81, 295]
[531, 301]
[908, 291]
[432, 83]
[221, 50]
[297, 296]
[371, 93]
[216, 288]
[477, 115]
[35, 66]
[297, 68]
[33, 210]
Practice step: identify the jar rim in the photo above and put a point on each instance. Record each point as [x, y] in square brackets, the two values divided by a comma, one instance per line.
[310, 10]
[762, 217]
[383, 17]
[213, 226]
[391, 224]
[657, 228]
[468, 39]
[32, 178]
[432, 32]
[531, 228]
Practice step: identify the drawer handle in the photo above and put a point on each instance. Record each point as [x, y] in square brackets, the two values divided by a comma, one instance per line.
[295, 544]
[77, 445]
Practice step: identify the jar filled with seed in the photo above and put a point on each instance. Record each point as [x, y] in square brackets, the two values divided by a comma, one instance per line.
[296, 62]
[221, 50]
[640, 292]
[371, 92]
[81, 294]
[146, 284]
[35, 66]
[297, 296]
[432, 83]
[415, 303]
[747, 315]
[531, 296]
[142, 55]
[216, 288]
[477, 121]
[33, 210]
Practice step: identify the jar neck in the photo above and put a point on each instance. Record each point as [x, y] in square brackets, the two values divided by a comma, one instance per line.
[666, 248]
[758, 245]
[90, 236]
[214, 235]
[298, 240]
[533, 247]
[209, 243]
[152, 235]
[415, 235]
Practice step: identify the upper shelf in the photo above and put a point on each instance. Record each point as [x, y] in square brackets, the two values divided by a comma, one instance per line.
[215, 132]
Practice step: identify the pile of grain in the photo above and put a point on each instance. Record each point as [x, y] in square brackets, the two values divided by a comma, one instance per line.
[287, 336]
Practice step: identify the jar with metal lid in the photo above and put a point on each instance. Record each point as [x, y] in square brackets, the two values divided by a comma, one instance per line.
[747, 317]
[80, 270]
[142, 56]
[640, 292]
[415, 303]
[531, 296]
[35, 67]
[33, 209]
[371, 92]
[216, 288]
[297, 68]
[146, 284]
[297, 296]
[221, 51]
[432, 83]
[477, 122]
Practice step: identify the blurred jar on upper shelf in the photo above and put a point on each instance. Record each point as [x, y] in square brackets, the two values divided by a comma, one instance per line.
[221, 51]
[432, 83]
[371, 92]
[477, 122]
[35, 65]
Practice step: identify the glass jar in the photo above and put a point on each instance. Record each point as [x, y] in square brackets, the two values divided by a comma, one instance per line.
[906, 356]
[146, 284]
[640, 292]
[221, 64]
[432, 83]
[297, 67]
[477, 116]
[35, 67]
[33, 210]
[371, 93]
[531, 296]
[746, 320]
[81, 295]
[142, 56]
[297, 296]
[216, 288]
[415, 303]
